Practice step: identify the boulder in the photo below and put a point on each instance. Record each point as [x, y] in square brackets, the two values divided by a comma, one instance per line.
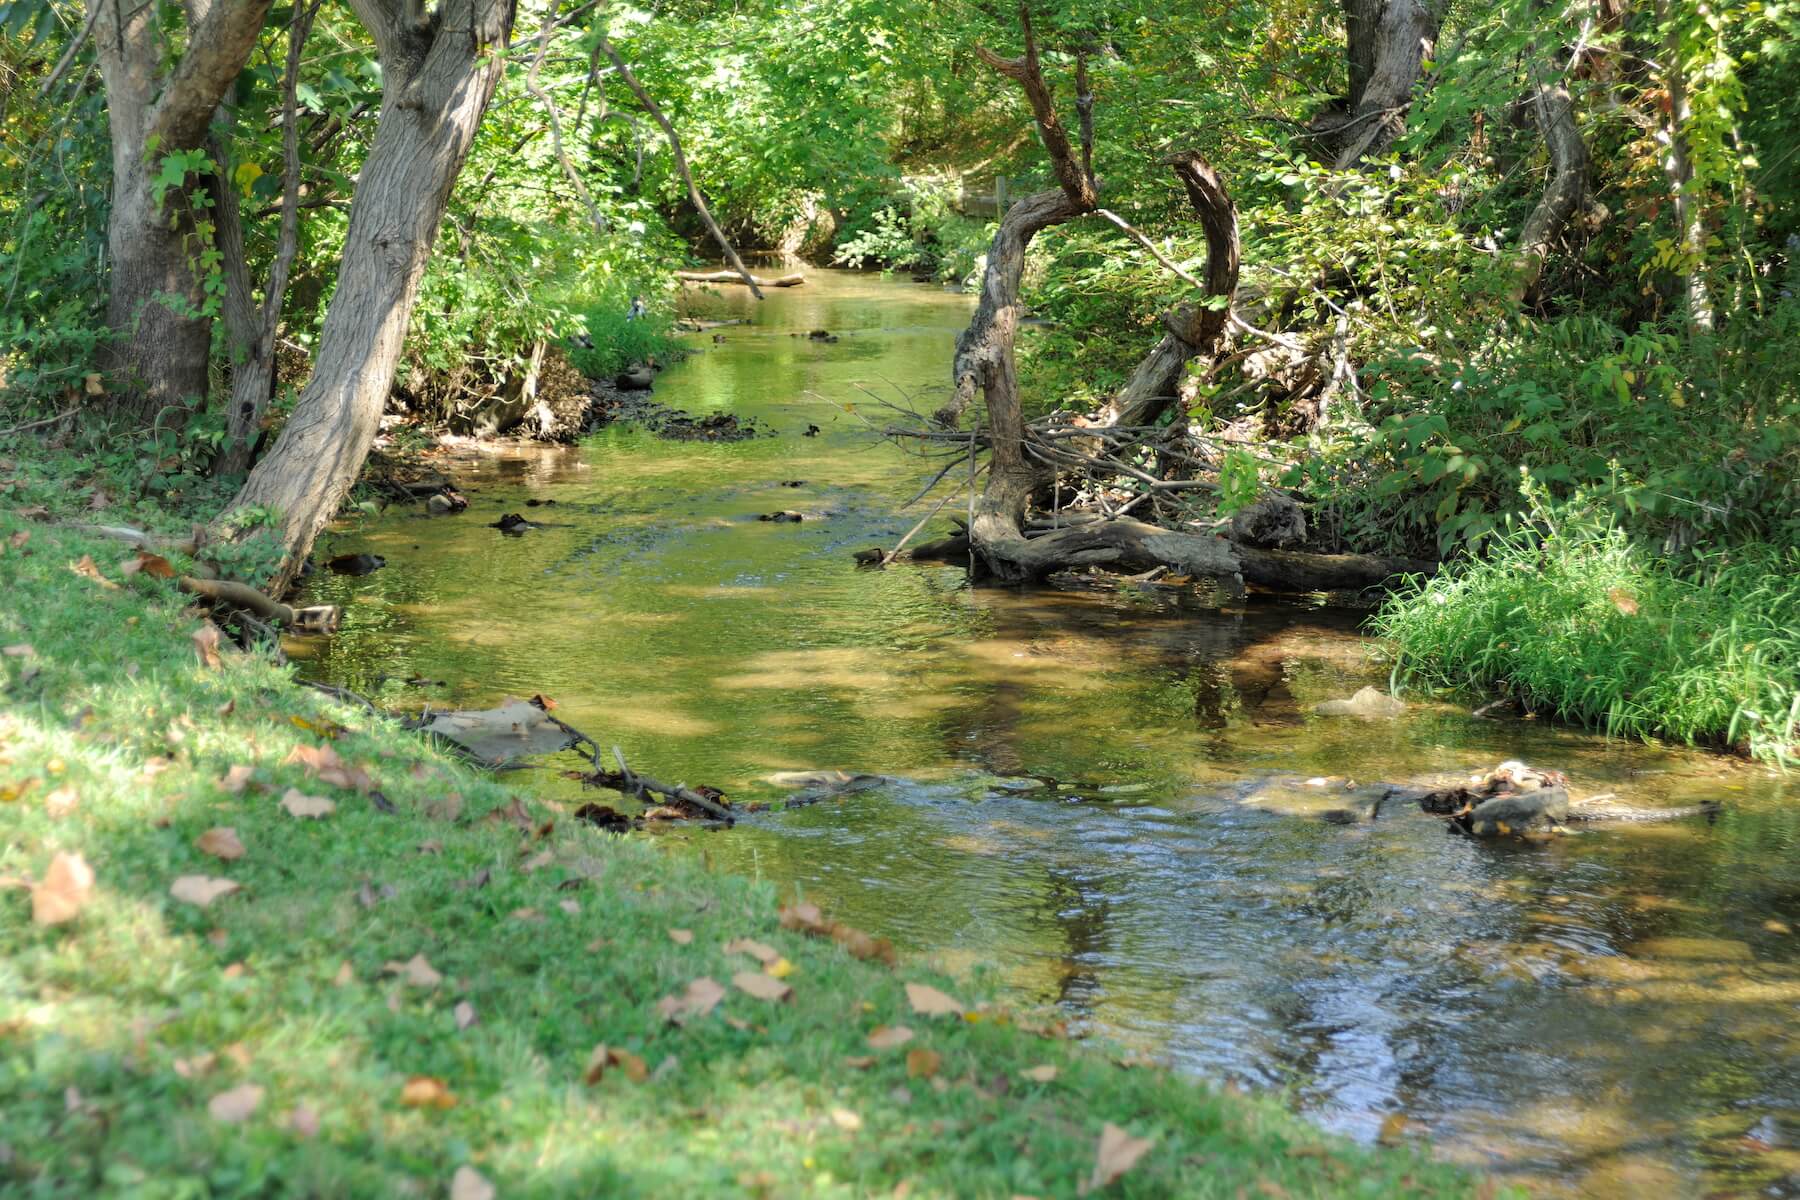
[1369, 702]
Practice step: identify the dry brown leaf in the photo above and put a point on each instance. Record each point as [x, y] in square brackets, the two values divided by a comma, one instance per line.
[464, 1013]
[572, 907]
[1393, 1129]
[447, 807]
[470, 1184]
[701, 997]
[236, 1104]
[922, 1063]
[682, 937]
[84, 567]
[886, 1037]
[61, 802]
[303, 1122]
[416, 971]
[198, 1065]
[427, 1091]
[299, 804]
[202, 890]
[1117, 1153]
[846, 1120]
[18, 650]
[153, 565]
[763, 987]
[859, 1062]
[346, 975]
[236, 779]
[764, 954]
[1624, 601]
[206, 644]
[927, 1001]
[221, 842]
[537, 862]
[67, 887]
[324, 764]
[805, 917]
[605, 1057]
[861, 945]
[1043, 1074]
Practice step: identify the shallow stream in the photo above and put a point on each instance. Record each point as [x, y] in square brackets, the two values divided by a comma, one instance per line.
[1611, 1012]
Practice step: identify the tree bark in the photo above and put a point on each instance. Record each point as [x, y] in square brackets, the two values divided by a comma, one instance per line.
[1191, 329]
[156, 303]
[1567, 190]
[439, 75]
[1387, 42]
[252, 327]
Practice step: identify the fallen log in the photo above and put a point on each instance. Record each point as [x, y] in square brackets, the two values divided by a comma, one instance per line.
[791, 280]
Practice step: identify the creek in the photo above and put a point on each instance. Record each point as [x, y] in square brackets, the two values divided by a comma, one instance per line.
[1610, 1012]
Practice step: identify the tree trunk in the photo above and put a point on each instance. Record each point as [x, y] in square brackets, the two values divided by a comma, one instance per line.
[438, 81]
[1388, 41]
[1678, 167]
[1567, 190]
[156, 298]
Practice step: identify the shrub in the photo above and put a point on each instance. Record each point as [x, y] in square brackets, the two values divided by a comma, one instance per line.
[1574, 617]
[618, 341]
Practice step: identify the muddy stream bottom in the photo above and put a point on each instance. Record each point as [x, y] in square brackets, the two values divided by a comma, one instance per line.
[1076, 799]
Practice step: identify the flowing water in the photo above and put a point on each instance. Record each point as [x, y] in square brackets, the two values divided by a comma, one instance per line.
[1074, 805]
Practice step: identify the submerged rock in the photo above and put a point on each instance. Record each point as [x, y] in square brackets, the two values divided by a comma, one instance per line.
[356, 564]
[1369, 702]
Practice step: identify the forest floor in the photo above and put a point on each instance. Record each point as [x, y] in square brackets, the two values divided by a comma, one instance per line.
[260, 942]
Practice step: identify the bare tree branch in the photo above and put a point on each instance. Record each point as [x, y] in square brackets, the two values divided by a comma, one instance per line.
[556, 140]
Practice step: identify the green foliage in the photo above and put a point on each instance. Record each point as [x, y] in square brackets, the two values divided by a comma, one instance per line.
[618, 341]
[1575, 618]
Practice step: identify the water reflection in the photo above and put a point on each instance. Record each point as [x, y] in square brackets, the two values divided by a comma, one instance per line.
[1610, 1012]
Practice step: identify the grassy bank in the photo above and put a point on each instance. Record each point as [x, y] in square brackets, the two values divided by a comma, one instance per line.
[1576, 620]
[416, 984]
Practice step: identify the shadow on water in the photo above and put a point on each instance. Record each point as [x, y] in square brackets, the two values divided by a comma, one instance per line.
[1610, 1012]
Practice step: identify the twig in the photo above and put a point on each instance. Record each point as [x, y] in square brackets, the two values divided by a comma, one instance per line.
[1144, 241]
[939, 507]
[63, 415]
[556, 140]
[95, 7]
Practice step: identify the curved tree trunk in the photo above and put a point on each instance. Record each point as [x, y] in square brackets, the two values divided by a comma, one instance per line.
[1567, 190]
[437, 82]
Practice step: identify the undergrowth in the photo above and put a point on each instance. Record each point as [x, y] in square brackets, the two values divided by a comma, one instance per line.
[1575, 618]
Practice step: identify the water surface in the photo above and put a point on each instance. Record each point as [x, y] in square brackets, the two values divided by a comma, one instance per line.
[1608, 1013]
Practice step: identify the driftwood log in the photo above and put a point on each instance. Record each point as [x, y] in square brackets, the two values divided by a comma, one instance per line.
[795, 279]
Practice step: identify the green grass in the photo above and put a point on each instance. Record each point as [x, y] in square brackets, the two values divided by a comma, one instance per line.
[119, 1028]
[618, 342]
[1581, 622]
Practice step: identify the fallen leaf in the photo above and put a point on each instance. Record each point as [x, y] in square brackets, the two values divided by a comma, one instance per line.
[1043, 1074]
[303, 1121]
[859, 1062]
[1624, 601]
[416, 971]
[431, 846]
[525, 914]
[84, 567]
[464, 1012]
[781, 968]
[1117, 1153]
[886, 1037]
[301, 805]
[21, 650]
[447, 807]
[154, 565]
[805, 917]
[61, 803]
[221, 842]
[763, 954]
[202, 890]
[12, 791]
[861, 945]
[922, 1063]
[236, 779]
[236, 1104]
[346, 974]
[927, 1001]
[427, 1091]
[1393, 1129]
[67, 886]
[18, 540]
[198, 1065]
[846, 1120]
[206, 644]
[761, 986]
[701, 997]
[605, 1056]
[324, 764]
[470, 1184]
[681, 937]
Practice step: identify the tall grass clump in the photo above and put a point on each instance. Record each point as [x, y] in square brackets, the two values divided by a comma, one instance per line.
[618, 340]
[1574, 618]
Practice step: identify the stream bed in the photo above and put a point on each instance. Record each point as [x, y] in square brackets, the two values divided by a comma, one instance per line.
[1610, 1013]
